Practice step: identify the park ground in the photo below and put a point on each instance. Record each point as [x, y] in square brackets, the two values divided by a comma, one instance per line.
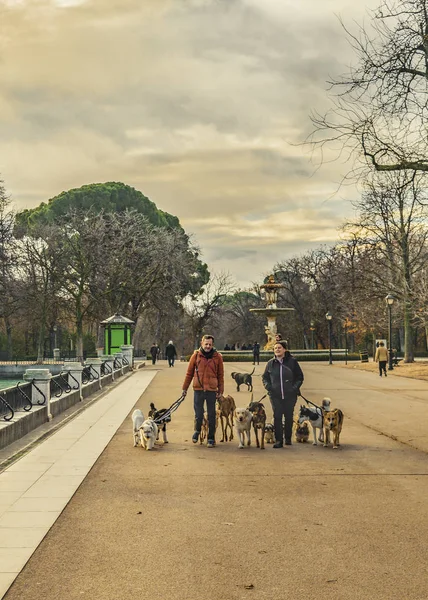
[185, 522]
[415, 370]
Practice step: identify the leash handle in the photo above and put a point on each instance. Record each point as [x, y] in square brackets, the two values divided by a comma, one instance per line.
[167, 414]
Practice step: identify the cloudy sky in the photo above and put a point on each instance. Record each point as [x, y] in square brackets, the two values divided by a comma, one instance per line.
[199, 104]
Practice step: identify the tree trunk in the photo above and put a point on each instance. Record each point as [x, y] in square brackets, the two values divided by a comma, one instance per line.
[41, 344]
[138, 334]
[9, 347]
[408, 335]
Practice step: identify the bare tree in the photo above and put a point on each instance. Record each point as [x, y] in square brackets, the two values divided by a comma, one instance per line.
[393, 222]
[206, 307]
[39, 278]
[380, 109]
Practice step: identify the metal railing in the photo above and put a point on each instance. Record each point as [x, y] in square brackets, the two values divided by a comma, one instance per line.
[6, 411]
[59, 385]
[106, 369]
[15, 398]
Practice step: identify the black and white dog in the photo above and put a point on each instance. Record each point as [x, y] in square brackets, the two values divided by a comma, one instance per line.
[157, 415]
[315, 416]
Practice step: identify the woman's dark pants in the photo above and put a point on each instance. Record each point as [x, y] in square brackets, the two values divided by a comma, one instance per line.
[198, 403]
[282, 407]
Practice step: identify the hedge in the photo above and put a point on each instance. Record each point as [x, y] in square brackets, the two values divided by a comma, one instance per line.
[265, 356]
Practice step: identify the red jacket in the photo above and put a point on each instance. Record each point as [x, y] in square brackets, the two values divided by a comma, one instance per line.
[207, 373]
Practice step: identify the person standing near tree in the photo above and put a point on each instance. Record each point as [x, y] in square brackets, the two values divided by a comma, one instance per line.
[282, 379]
[207, 373]
[170, 353]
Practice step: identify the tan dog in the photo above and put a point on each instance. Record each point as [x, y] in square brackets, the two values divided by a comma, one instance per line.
[226, 408]
[243, 425]
[204, 429]
[333, 421]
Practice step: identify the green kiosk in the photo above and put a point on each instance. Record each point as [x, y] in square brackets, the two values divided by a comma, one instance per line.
[117, 333]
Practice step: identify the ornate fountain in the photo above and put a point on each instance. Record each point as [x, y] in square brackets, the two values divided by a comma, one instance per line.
[271, 311]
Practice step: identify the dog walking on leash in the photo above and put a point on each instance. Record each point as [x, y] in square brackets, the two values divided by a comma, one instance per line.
[282, 379]
[207, 373]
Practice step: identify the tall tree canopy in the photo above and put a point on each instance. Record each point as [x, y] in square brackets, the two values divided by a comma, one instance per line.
[112, 197]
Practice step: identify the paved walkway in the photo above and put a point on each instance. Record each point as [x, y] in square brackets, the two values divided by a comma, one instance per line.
[35, 490]
[187, 523]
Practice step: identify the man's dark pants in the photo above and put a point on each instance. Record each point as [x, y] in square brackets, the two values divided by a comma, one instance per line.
[256, 358]
[198, 403]
[283, 407]
[382, 367]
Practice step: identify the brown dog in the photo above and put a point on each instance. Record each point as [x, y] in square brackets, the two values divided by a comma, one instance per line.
[257, 409]
[302, 431]
[333, 421]
[226, 409]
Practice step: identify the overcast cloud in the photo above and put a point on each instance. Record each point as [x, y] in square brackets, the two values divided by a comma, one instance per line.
[196, 103]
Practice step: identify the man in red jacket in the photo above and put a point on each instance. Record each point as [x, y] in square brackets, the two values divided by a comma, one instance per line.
[206, 370]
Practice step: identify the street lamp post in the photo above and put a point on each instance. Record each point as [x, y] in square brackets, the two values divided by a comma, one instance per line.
[345, 326]
[182, 342]
[329, 317]
[389, 299]
[312, 328]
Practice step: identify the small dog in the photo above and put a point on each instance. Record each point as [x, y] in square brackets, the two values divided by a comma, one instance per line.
[137, 421]
[315, 416]
[257, 409]
[226, 408]
[333, 421]
[243, 379]
[158, 415]
[243, 425]
[302, 432]
[204, 429]
[269, 433]
[325, 405]
[148, 434]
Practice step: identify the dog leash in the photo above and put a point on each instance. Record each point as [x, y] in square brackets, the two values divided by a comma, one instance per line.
[166, 417]
[309, 402]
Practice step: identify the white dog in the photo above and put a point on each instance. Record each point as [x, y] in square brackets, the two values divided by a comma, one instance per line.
[148, 434]
[137, 421]
[243, 425]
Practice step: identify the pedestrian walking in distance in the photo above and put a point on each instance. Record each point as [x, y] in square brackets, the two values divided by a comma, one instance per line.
[282, 379]
[206, 372]
[154, 351]
[256, 353]
[381, 357]
[170, 353]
